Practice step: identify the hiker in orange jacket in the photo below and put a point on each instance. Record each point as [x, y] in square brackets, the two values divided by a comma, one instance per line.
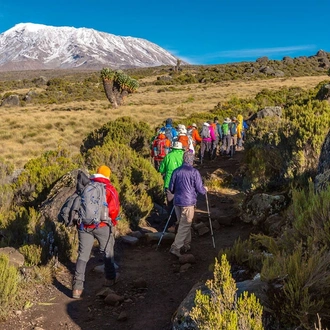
[160, 148]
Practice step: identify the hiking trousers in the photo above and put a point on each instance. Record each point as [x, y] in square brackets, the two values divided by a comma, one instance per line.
[206, 146]
[106, 241]
[185, 215]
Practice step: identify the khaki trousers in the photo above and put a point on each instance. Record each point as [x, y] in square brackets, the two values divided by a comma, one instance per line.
[185, 215]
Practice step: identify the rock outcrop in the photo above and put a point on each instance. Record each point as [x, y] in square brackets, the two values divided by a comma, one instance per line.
[322, 178]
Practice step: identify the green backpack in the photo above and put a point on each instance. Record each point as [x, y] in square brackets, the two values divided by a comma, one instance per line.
[225, 129]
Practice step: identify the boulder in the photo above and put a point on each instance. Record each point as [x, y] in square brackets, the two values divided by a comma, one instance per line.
[181, 319]
[11, 101]
[324, 93]
[261, 206]
[275, 111]
[16, 258]
[322, 178]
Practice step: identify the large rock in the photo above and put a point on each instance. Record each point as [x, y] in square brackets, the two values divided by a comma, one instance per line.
[11, 101]
[15, 257]
[65, 187]
[270, 112]
[181, 319]
[261, 206]
[322, 178]
[324, 93]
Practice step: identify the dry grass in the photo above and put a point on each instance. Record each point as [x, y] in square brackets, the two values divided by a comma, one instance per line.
[26, 132]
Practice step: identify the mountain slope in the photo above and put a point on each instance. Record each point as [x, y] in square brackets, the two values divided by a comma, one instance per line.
[29, 46]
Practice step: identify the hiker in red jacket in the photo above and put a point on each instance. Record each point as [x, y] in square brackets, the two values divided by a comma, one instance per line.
[103, 232]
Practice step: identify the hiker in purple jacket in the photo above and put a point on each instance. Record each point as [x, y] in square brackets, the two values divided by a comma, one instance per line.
[186, 183]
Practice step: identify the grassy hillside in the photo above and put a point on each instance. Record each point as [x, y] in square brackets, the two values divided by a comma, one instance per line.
[32, 128]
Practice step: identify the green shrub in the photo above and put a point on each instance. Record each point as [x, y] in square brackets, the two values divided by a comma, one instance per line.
[123, 130]
[220, 309]
[34, 183]
[32, 254]
[9, 280]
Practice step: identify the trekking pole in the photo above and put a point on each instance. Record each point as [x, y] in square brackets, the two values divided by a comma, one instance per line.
[208, 212]
[163, 233]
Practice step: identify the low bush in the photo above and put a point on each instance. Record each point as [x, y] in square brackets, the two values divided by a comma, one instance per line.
[220, 309]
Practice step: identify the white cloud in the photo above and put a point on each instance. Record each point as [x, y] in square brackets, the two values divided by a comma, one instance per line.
[241, 53]
[249, 53]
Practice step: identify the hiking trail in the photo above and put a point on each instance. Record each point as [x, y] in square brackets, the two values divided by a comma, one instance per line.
[152, 282]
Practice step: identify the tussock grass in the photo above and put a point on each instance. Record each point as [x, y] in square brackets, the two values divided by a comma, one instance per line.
[26, 132]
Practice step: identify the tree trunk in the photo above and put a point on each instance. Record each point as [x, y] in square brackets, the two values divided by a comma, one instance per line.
[109, 92]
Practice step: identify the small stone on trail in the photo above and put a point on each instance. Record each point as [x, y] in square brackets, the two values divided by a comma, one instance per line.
[122, 316]
[140, 283]
[104, 292]
[187, 258]
[199, 225]
[203, 231]
[113, 299]
[129, 239]
[184, 267]
[156, 236]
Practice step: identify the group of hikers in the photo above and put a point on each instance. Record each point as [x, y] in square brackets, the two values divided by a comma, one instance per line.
[212, 139]
[182, 184]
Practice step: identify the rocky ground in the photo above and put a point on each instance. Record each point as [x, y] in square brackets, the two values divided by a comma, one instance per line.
[152, 283]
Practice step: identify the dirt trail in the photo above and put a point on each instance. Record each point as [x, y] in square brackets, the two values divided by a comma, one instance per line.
[150, 307]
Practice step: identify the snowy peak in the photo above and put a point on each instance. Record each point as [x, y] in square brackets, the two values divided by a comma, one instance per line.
[28, 46]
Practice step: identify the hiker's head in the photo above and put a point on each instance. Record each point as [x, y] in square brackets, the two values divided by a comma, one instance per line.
[233, 119]
[177, 145]
[188, 157]
[227, 120]
[216, 119]
[206, 124]
[169, 121]
[104, 170]
[194, 125]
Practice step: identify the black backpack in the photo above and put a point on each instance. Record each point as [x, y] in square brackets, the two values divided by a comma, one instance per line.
[233, 129]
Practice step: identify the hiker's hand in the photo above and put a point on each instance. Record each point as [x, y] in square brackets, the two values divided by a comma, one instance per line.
[206, 188]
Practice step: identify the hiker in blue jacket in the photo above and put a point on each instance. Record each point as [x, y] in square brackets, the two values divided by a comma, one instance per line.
[186, 183]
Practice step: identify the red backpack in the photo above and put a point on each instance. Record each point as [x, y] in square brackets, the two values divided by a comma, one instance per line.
[159, 150]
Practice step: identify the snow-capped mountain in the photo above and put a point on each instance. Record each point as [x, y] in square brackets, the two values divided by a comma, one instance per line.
[29, 46]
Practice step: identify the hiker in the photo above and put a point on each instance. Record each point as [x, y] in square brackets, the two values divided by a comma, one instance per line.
[240, 132]
[103, 232]
[218, 136]
[233, 133]
[185, 184]
[169, 130]
[193, 132]
[208, 136]
[185, 139]
[171, 161]
[226, 137]
[160, 148]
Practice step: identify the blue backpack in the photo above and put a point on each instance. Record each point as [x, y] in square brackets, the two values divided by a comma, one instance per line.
[233, 129]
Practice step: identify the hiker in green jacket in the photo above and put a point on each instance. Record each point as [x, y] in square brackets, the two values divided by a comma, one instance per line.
[171, 161]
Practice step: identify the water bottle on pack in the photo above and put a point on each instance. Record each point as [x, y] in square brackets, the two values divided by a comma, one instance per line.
[105, 212]
[155, 151]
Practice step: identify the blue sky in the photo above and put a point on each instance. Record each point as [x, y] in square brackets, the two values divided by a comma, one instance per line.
[199, 32]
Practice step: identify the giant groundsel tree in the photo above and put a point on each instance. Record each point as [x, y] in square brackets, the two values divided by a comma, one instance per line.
[117, 85]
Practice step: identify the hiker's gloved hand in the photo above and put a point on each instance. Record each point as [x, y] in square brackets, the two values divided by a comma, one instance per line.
[206, 188]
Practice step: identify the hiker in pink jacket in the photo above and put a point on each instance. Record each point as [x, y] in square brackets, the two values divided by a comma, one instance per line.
[208, 136]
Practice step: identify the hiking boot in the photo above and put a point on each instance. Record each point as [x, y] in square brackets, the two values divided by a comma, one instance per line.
[111, 282]
[76, 294]
[175, 252]
[186, 248]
